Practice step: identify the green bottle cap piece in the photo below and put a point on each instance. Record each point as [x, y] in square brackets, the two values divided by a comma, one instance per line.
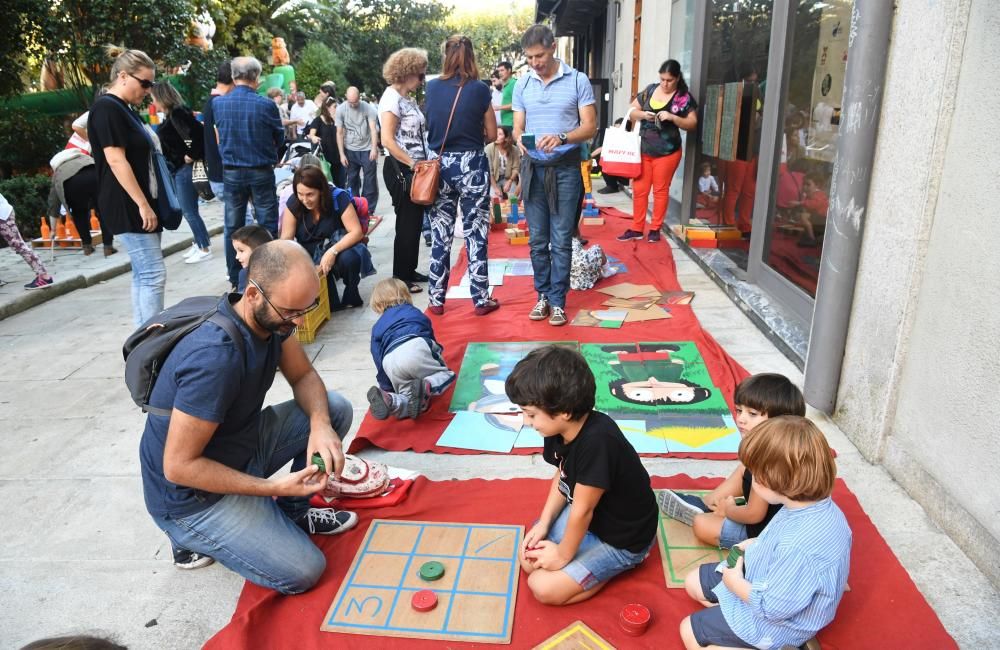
[734, 554]
[431, 571]
[318, 461]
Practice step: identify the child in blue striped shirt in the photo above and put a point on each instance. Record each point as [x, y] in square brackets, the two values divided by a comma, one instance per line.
[789, 582]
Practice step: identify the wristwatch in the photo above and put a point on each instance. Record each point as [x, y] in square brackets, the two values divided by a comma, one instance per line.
[563, 138]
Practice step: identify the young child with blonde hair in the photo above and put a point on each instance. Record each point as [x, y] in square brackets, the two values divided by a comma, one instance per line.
[408, 359]
[789, 581]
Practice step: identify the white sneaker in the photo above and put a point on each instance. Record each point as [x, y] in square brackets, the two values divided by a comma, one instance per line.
[191, 251]
[199, 256]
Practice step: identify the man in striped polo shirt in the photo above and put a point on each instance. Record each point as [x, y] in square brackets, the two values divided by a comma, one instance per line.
[554, 103]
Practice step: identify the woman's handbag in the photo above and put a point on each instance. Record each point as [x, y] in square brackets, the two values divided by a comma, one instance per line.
[199, 178]
[427, 173]
[621, 152]
[168, 206]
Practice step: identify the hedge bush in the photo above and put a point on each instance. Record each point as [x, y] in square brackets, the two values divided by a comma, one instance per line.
[29, 140]
[29, 195]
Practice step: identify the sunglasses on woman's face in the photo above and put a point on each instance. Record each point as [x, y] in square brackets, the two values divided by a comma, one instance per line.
[145, 83]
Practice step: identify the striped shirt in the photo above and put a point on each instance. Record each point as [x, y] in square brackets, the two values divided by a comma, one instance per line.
[553, 108]
[250, 130]
[797, 568]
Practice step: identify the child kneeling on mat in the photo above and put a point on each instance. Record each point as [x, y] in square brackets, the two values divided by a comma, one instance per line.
[599, 517]
[786, 586]
[720, 519]
[407, 357]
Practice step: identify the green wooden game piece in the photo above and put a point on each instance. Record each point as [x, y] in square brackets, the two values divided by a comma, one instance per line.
[735, 553]
[318, 462]
[432, 570]
[740, 501]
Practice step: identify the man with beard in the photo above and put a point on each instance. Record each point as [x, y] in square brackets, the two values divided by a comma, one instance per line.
[207, 467]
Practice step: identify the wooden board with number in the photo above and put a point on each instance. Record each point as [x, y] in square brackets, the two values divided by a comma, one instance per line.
[476, 594]
[680, 551]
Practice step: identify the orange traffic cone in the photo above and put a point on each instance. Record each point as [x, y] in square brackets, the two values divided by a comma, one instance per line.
[61, 234]
[95, 223]
[46, 231]
[71, 231]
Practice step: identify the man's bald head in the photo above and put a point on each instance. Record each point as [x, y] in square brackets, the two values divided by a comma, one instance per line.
[353, 95]
[276, 262]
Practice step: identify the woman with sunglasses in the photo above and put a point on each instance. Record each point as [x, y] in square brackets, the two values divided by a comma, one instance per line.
[403, 137]
[322, 218]
[122, 149]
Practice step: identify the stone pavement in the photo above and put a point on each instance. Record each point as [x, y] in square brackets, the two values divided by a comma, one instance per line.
[78, 553]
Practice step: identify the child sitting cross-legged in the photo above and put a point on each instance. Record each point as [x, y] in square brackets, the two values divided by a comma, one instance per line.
[720, 519]
[788, 584]
[599, 517]
[406, 354]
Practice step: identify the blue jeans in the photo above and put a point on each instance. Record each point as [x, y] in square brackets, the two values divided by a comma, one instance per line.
[359, 162]
[257, 537]
[188, 197]
[149, 274]
[551, 233]
[218, 189]
[595, 561]
[242, 184]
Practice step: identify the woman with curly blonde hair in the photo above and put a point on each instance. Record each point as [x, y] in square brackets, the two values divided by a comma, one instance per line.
[403, 137]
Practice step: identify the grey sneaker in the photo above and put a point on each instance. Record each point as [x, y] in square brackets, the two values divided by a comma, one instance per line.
[380, 402]
[540, 311]
[558, 316]
[327, 521]
[672, 505]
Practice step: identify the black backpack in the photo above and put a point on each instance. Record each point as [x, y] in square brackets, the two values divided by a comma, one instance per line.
[147, 348]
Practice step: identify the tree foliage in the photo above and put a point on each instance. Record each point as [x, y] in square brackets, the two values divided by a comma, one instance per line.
[19, 44]
[377, 28]
[495, 35]
[317, 63]
[27, 140]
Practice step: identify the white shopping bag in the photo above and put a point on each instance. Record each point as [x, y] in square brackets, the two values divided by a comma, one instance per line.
[620, 154]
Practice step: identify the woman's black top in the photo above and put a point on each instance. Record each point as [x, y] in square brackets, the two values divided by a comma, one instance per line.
[179, 127]
[113, 124]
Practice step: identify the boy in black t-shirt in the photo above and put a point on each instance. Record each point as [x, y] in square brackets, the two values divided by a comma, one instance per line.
[610, 523]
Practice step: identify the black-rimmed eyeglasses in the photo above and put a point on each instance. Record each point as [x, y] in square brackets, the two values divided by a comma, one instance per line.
[291, 315]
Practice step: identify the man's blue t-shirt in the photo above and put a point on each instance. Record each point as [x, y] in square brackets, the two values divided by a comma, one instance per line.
[552, 108]
[208, 377]
[466, 133]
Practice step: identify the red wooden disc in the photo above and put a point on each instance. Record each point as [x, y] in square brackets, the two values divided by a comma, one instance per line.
[634, 619]
[424, 600]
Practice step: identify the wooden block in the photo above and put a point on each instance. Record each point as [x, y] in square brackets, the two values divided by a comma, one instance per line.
[703, 243]
[699, 233]
[576, 636]
[519, 240]
[593, 221]
[728, 233]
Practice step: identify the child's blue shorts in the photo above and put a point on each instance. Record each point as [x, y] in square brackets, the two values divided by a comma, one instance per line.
[595, 561]
[709, 625]
[732, 533]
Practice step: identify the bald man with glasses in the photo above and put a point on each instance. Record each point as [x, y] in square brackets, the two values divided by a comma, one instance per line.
[210, 468]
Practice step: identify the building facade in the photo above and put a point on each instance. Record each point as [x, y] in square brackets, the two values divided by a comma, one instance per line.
[855, 146]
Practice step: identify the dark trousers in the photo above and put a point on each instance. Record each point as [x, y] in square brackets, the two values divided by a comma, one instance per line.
[409, 219]
[347, 267]
[614, 181]
[81, 196]
[358, 163]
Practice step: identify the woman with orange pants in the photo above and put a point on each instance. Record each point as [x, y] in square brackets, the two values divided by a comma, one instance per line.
[663, 109]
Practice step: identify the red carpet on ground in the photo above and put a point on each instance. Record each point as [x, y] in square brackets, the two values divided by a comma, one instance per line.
[883, 608]
[647, 264]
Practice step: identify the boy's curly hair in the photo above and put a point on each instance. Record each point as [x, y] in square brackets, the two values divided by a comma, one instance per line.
[403, 63]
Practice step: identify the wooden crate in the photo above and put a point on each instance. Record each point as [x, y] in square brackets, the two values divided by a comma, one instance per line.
[306, 333]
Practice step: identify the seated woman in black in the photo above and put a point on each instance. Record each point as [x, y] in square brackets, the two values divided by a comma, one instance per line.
[321, 217]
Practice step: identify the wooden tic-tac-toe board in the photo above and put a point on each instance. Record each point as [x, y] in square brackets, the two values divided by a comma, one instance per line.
[476, 594]
[680, 550]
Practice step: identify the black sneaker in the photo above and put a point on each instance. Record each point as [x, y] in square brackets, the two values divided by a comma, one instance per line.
[187, 560]
[629, 235]
[610, 189]
[653, 236]
[327, 521]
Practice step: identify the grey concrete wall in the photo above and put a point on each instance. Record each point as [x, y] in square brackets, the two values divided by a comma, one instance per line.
[921, 376]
